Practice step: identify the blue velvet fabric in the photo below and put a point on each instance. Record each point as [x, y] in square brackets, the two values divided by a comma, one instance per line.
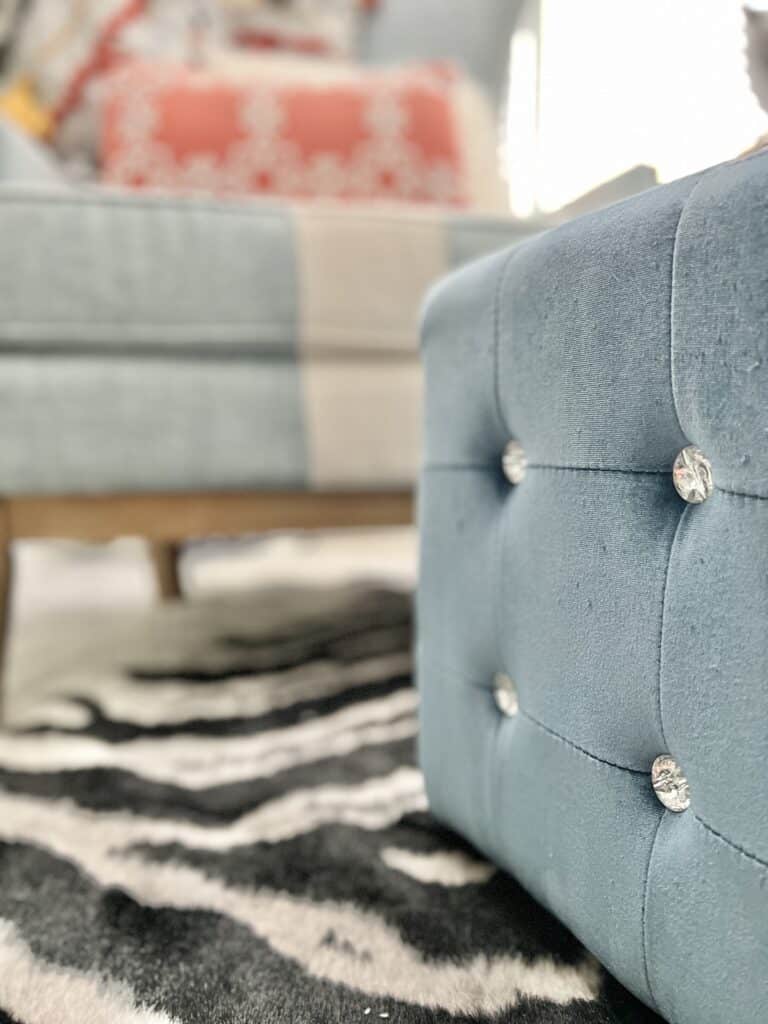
[632, 623]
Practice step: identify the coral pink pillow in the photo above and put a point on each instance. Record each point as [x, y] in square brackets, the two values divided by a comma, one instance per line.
[300, 128]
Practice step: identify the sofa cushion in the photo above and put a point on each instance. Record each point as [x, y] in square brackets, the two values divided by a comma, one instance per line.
[154, 344]
[631, 623]
[93, 267]
[300, 128]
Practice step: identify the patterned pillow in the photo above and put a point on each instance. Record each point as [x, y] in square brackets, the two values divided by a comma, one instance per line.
[300, 128]
[65, 47]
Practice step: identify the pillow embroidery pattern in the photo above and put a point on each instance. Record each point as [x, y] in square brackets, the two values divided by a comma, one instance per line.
[362, 135]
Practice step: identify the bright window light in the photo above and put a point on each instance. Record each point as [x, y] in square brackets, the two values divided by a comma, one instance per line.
[622, 84]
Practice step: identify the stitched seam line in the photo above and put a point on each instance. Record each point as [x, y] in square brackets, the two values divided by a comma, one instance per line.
[501, 589]
[497, 340]
[493, 769]
[644, 914]
[662, 626]
[575, 746]
[672, 282]
[542, 467]
[480, 685]
[753, 858]
[596, 469]
[672, 287]
[742, 494]
[492, 466]
[500, 596]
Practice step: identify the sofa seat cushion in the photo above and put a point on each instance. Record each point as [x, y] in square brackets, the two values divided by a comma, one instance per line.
[156, 344]
[616, 621]
[98, 268]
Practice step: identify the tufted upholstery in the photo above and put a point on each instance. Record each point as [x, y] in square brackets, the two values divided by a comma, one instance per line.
[632, 623]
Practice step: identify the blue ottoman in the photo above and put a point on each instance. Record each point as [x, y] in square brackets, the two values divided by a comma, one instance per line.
[594, 607]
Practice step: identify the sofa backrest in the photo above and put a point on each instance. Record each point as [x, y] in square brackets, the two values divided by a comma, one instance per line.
[476, 33]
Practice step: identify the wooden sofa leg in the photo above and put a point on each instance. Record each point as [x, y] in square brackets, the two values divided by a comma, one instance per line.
[165, 559]
[6, 588]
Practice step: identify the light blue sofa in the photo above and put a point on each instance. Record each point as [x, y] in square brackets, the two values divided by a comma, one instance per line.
[162, 345]
[177, 367]
[579, 623]
[179, 345]
[173, 367]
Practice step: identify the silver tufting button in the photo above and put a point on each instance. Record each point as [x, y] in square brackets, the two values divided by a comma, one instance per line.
[505, 695]
[692, 475]
[514, 462]
[670, 784]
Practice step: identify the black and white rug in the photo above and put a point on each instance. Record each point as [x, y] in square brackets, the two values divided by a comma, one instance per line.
[213, 815]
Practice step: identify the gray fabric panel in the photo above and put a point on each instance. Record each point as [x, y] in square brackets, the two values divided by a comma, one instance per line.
[96, 267]
[23, 160]
[476, 34]
[74, 425]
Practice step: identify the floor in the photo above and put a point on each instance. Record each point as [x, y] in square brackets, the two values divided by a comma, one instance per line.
[66, 595]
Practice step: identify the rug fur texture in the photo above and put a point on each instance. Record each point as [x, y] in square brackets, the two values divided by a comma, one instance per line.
[213, 814]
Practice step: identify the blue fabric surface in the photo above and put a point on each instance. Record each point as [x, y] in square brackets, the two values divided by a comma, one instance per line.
[632, 624]
[720, 316]
[151, 343]
[476, 35]
[95, 267]
[99, 424]
[718, 589]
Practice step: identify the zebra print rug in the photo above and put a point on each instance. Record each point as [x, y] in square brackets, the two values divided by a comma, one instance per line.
[214, 815]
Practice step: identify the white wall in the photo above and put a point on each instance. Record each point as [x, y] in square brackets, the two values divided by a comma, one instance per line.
[661, 82]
